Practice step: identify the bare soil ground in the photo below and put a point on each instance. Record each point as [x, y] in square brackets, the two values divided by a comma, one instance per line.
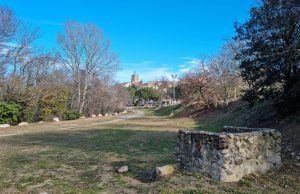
[81, 157]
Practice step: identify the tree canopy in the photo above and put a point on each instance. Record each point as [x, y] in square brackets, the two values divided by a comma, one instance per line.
[269, 50]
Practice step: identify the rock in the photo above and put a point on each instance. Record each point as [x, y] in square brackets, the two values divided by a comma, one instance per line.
[106, 115]
[4, 125]
[56, 119]
[230, 135]
[172, 114]
[125, 111]
[23, 124]
[93, 116]
[230, 155]
[100, 115]
[122, 169]
[41, 122]
[164, 170]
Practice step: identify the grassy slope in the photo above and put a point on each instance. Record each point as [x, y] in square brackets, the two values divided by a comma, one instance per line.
[207, 121]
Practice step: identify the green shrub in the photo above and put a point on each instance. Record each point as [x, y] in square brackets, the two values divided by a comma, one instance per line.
[54, 103]
[71, 115]
[9, 113]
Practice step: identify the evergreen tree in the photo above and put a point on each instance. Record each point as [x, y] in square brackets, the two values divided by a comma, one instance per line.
[269, 50]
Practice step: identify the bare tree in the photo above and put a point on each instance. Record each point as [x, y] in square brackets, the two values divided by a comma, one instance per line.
[214, 81]
[225, 73]
[197, 84]
[163, 87]
[83, 49]
[8, 26]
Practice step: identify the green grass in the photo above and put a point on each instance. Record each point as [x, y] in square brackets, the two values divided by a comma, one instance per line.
[163, 111]
[213, 124]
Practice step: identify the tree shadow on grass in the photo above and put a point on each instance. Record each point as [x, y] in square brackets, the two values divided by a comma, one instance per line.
[85, 154]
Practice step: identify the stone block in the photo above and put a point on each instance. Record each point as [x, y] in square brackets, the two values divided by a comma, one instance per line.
[230, 155]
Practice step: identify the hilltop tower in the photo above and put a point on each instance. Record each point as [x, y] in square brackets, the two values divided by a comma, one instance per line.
[135, 78]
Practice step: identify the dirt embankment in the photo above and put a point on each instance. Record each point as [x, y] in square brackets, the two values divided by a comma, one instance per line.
[241, 114]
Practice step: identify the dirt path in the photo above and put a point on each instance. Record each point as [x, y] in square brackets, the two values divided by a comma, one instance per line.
[67, 125]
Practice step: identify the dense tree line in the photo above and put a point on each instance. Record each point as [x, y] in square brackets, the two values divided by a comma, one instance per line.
[37, 84]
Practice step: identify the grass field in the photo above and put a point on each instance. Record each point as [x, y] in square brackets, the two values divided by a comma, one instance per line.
[83, 159]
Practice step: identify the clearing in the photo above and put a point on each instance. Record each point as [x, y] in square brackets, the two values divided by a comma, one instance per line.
[81, 157]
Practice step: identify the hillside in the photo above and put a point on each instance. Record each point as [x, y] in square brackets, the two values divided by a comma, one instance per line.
[241, 114]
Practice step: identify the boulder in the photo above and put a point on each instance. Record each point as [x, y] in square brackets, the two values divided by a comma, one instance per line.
[122, 169]
[93, 116]
[4, 125]
[56, 119]
[100, 115]
[23, 124]
[106, 115]
[125, 111]
[164, 170]
[41, 121]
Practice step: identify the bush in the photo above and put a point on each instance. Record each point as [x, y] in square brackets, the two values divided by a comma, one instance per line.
[54, 103]
[71, 115]
[9, 113]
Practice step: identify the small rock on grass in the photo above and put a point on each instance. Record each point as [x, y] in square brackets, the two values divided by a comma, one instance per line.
[23, 124]
[4, 125]
[165, 170]
[55, 119]
[122, 169]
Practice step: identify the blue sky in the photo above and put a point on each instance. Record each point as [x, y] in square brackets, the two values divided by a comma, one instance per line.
[152, 37]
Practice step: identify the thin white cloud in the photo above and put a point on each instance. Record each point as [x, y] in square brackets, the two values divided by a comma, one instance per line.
[190, 60]
[137, 64]
[184, 70]
[188, 63]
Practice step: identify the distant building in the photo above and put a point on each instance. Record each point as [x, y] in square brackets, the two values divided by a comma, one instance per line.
[164, 87]
[135, 78]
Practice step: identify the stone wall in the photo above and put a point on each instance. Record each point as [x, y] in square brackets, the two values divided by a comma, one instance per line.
[230, 155]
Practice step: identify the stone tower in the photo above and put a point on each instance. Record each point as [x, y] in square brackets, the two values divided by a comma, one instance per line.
[135, 78]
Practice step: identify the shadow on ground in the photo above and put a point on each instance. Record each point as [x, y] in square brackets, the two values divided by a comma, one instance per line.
[81, 159]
